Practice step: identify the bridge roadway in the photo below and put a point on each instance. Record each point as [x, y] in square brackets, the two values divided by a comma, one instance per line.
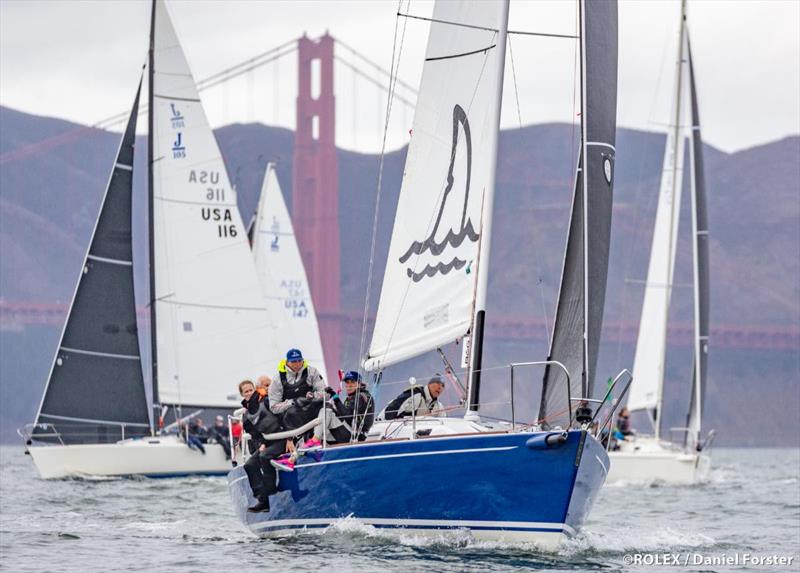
[16, 316]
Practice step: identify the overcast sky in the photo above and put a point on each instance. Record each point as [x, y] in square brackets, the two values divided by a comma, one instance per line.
[80, 60]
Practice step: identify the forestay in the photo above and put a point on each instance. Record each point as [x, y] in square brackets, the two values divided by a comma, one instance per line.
[648, 366]
[579, 313]
[212, 326]
[282, 275]
[98, 355]
[428, 288]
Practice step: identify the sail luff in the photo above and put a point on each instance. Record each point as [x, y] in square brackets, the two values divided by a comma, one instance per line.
[99, 343]
[482, 264]
[579, 314]
[151, 265]
[700, 251]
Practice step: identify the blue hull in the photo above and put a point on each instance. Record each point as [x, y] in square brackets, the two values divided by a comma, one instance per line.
[499, 486]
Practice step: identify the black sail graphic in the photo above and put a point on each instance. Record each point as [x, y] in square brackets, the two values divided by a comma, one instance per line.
[96, 382]
[700, 237]
[454, 237]
[579, 313]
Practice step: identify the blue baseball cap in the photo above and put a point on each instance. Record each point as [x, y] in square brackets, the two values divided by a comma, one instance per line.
[352, 375]
[294, 355]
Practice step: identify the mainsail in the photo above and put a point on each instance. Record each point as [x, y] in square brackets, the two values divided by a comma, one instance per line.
[212, 327]
[95, 385]
[701, 265]
[283, 278]
[579, 313]
[428, 292]
[648, 366]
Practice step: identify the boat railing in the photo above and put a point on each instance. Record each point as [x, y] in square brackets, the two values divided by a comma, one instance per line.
[701, 445]
[76, 432]
[604, 428]
[516, 365]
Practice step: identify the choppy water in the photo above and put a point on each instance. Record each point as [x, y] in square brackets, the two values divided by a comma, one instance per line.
[751, 504]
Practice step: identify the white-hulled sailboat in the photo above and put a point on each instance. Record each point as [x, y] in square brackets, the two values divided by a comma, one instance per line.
[210, 327]
[281, 272]
[652, 457]
[426, 475]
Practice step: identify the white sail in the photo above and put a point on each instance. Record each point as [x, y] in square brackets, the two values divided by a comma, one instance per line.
[428, 291]
[648, 367]
[283, 277]
[212, 326]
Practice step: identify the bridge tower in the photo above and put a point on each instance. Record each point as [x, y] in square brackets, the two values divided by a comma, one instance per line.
[315, 192]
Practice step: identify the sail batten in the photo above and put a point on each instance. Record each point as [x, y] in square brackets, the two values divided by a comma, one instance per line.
[98, 352]
[429, 286]
[579, 311]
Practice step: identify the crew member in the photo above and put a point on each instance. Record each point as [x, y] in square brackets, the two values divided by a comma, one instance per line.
[297, 392]
[419, 401]
[257, 421]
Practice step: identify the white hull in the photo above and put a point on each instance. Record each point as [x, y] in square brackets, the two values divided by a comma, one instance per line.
[643, 459]
[162, 456]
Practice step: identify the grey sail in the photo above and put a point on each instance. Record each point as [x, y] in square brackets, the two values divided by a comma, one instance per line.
[579, 312]
[700, 246]
[96, 382]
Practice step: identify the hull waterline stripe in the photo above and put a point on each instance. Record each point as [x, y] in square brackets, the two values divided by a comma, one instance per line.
[103, 354]
[112, 261]
[419, 524]
[406, 455]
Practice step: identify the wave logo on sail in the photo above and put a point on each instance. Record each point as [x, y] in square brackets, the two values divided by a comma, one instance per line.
[177, 118]
[178, 149]
[454, 237]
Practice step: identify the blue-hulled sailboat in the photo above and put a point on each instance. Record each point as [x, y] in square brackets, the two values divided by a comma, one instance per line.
[429, 474]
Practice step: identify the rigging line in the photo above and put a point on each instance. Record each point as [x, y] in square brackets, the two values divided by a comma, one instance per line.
[488, 29]
[377, 67]
[204, 84]
[535, 251]
[372, 80]
[392, 74]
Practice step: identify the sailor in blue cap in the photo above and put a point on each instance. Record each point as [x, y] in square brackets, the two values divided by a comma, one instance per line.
[297, 392]
[343, 420]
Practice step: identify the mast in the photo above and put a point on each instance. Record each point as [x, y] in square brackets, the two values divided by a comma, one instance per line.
[584, 207]
[700, 266]
[150, 201]
[476, 352]
[678, 143]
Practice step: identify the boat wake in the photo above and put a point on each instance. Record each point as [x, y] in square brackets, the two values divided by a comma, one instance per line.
[629, 540]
